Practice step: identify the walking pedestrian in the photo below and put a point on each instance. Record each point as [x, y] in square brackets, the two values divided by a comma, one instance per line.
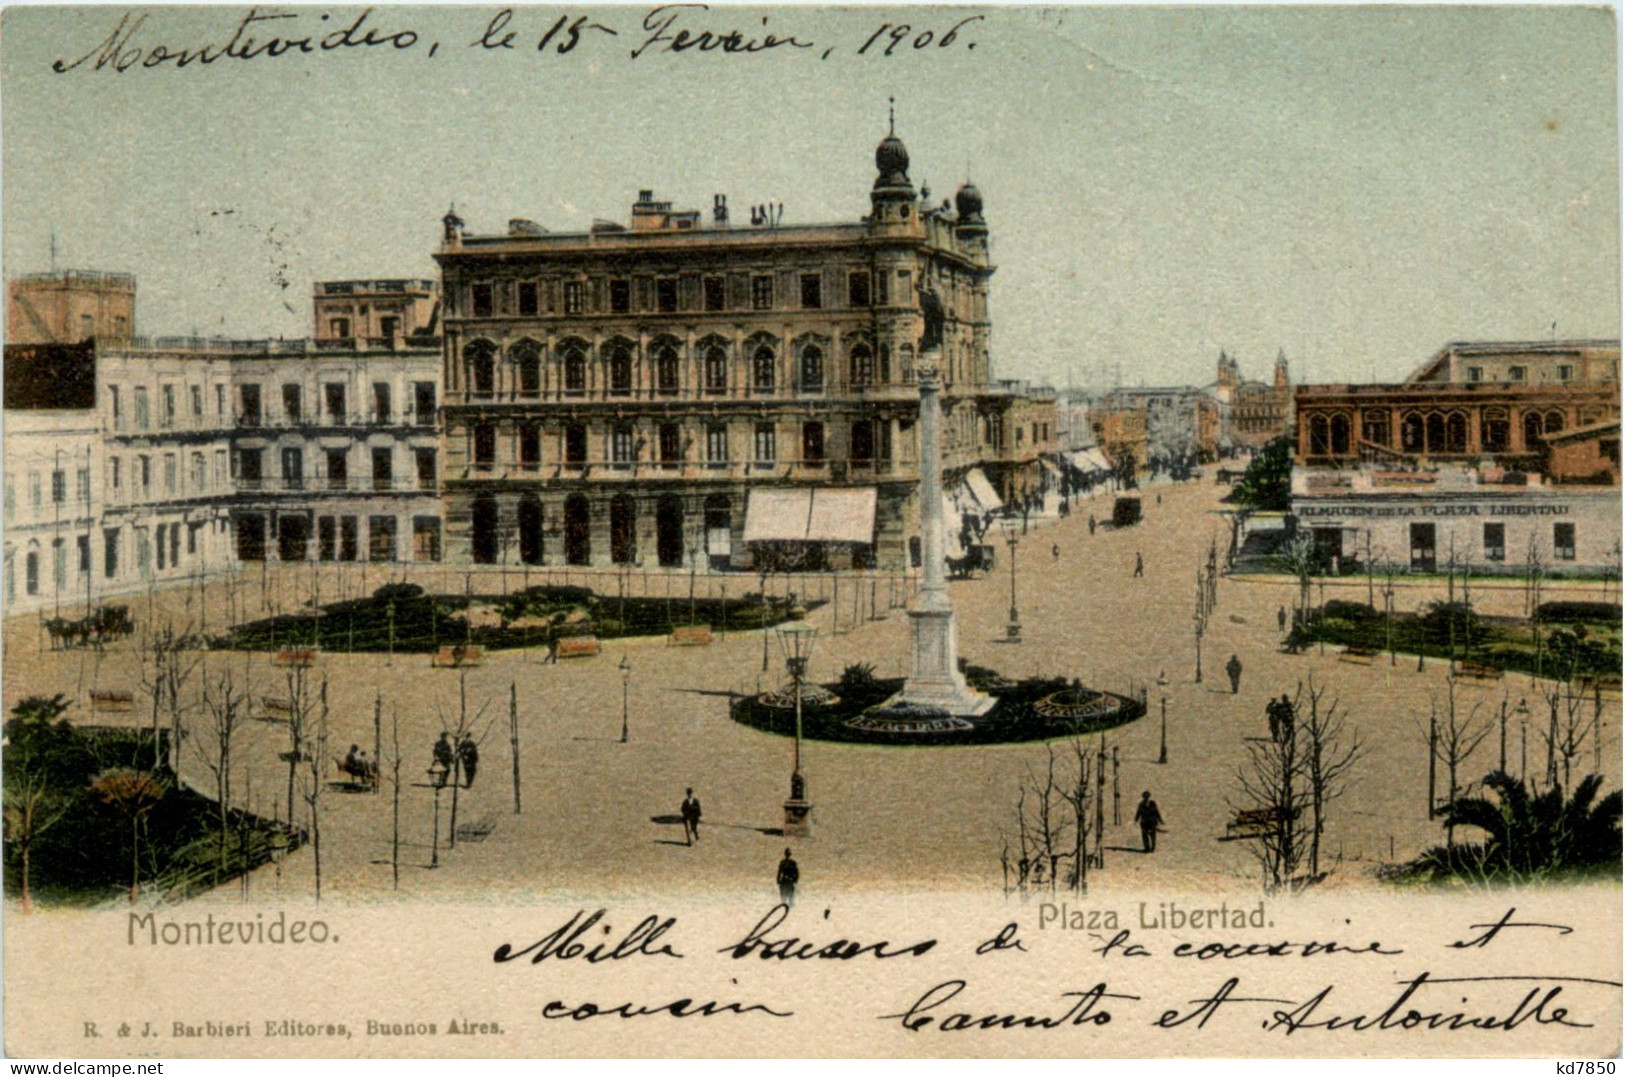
[468, 754]
[1055, 551]
[1139, 565]
[691, 818]
[1149, 816]
[443, 758]
[789, 876]
[1159, 499]
[1091, 523]
[1233, 668]
[1280, 619]
[1288, 715]
[1272, 710]
[553, 646]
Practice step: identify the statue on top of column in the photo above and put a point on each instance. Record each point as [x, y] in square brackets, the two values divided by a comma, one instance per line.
[931, 311]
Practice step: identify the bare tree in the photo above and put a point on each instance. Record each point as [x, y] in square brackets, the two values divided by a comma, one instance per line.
[1453, 736]
[1048, 823]
[225, 706]
[299, 707]
[1569, 731]
[1078, 795]
[1273, 794]
[462, 728]
[314, 724]
[1329, 754]
[167, 667]
[395, 784]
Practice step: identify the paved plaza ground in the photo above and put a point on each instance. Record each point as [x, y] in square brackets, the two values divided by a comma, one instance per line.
[927, 818]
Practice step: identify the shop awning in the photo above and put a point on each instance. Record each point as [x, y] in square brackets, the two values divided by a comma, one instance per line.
[982, 490]
[1049, 467]
[806, 515]
[1088, 460]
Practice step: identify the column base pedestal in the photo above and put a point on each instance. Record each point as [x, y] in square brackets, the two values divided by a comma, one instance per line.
[797, 818]
[935, 680]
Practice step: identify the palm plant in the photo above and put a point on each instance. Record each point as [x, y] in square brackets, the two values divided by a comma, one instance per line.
[1532, 836]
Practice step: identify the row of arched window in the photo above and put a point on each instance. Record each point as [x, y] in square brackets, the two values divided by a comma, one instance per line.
[617, 371]
[1439, 430]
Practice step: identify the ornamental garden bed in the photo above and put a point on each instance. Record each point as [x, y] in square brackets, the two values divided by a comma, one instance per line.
[845, 712]
[404, 618]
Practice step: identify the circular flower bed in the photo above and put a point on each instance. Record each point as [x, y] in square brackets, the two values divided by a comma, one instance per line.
[1079, 704]
[1033, 710]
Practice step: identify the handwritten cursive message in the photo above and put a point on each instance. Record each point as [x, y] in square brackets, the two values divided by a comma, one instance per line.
[1358, 984]
[140, 42]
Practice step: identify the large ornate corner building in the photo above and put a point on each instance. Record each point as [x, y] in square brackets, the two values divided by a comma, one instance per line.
[1500, 456]
[681, 391]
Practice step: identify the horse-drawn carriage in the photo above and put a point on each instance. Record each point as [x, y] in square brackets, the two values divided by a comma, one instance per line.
[105, 624]
[978, 557]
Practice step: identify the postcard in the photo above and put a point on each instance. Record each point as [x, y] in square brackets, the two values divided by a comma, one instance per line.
[902, 531]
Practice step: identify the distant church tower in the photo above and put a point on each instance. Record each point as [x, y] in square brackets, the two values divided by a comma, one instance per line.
[1282, 379]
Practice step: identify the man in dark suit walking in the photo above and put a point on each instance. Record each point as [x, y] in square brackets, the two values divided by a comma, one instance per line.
[1149, 816]
[691, 818]
[789, 876]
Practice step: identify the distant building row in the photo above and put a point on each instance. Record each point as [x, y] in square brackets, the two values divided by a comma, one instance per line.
[1501, 457]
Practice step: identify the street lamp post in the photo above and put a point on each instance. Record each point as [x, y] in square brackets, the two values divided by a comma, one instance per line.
[796, 639]
[1200, 622]
[626, 682]
[1162, 692]
[437, 778]
[1523, 732]
[1012, 631]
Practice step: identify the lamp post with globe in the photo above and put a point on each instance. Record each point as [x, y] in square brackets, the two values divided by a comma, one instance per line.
[796, 641]
[1162, 692]
[626, 683]
[1012, 631]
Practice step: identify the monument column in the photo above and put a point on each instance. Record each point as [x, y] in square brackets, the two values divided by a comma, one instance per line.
[934, 679]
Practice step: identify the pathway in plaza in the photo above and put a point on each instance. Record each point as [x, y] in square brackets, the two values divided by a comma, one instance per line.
[600, 816]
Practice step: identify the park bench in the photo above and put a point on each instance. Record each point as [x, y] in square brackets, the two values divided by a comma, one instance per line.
[578, 646]
[1478, 671]
[109, 702]
[302, 659]
[1359, 654]
[691, 636]
[358, 775]
[1254, 823]
[276, 709]
[457, 656]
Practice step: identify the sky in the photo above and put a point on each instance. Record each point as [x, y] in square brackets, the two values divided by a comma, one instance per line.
[1354, 186]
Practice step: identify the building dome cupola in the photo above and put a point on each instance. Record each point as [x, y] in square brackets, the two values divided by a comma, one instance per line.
[891, 161]
[891, 156]
[968, 201]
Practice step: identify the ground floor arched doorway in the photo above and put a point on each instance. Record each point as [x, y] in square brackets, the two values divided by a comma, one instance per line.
[577, 531]
[669, 530]
[530, 530]
[623, 538]
[484, 542]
